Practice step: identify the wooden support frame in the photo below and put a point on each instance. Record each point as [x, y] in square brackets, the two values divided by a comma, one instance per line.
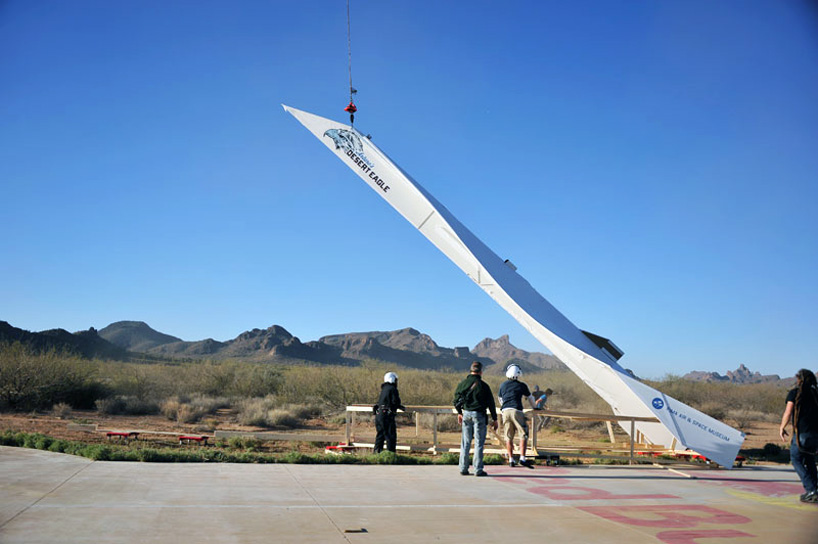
[533, 447]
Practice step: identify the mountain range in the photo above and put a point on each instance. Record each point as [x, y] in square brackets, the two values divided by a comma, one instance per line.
[741, 375]
[406, 347]
[86, 344]
[136, 340]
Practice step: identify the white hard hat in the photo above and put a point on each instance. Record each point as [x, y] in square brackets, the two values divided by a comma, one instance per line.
[390, 377]
[513, 372]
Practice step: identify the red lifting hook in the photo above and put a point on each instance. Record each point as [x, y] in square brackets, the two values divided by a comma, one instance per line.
[351, 109]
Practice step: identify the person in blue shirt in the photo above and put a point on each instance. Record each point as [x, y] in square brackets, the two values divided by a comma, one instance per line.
[511, 394]
[540, 401]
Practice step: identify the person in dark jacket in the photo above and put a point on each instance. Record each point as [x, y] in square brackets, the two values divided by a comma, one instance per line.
[472, 398]
[388, 404]
[802, 412]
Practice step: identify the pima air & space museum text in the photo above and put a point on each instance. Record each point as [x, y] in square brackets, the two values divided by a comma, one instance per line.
[367, 170]
[702, 426]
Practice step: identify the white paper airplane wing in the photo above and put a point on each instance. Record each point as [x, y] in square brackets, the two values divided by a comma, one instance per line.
[592, 358]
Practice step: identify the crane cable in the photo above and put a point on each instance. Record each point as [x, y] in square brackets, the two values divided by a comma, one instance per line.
[351, 109]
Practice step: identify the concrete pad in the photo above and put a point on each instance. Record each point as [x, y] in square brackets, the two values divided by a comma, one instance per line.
[47, 497]
[28, 475]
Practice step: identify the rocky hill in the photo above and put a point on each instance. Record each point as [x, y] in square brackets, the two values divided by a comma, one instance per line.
[502, 350]
[274, 344]
[86, 344]
[406, 347]
[135, 336]
[741, 375]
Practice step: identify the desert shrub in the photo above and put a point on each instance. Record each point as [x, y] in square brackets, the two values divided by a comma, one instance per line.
[582, 424]
[61, 410]
[713, 409]
[281, 418]
[743, 418]
[425, 388]
[111, 406]
[445, 423]
[570, 393]
[335, 386]
[253, 418]
[191, 410]
[270, 412]
[209, 404]
[209, 424]
[230, 378]
[11, 438]
[121, 405]
[448, 459]
[297, 458]
[31, 380]
[493, 459]
[97, 452]
[336, 418]
[304, 411]
[223, 379]
[188, 413]
[720, 399]
[170, 407]
[254, 411]
[183, 412]
[770, 452]
[249, 443]
[138, 407]
[384, 458]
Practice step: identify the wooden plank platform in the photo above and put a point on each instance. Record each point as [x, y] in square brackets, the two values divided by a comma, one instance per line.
[283, 437]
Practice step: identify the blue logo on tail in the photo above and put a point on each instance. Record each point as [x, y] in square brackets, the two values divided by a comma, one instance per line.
[349, 142]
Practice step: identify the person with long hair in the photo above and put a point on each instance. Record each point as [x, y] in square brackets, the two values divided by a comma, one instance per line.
[802, 412]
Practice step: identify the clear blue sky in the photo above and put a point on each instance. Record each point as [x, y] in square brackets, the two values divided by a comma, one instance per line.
[650, 167]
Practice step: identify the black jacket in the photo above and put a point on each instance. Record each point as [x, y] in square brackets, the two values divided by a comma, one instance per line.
[389, 398]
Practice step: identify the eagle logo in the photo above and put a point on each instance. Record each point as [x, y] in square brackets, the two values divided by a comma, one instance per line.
[346, 140]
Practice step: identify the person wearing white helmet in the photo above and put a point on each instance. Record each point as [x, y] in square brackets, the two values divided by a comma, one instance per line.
[511, 394]
[388, 404]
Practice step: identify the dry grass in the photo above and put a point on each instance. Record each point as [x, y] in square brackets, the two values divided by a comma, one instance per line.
[286, 396]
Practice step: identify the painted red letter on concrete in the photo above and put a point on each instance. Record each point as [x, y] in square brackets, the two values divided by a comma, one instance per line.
[689, 537]
[670, 516]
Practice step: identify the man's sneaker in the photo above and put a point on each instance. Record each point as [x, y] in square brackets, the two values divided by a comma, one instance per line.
[512, 463]
[481, 473]
[810, 497]
[464, 472]
[528, 463]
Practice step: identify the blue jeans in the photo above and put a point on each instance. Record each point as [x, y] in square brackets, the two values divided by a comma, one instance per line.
[804, 465]
[474, 425]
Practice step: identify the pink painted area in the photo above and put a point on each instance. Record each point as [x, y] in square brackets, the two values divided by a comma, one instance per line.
[666, 516]
[690, 537]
